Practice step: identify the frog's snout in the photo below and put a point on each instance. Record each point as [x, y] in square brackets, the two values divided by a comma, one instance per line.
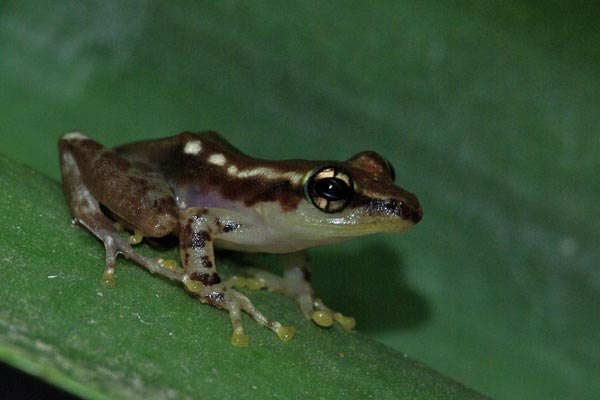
[408, 209]
[411, 212]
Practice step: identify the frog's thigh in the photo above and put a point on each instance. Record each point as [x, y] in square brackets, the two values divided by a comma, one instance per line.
[86, 210]
[84, 206]
[142, 199]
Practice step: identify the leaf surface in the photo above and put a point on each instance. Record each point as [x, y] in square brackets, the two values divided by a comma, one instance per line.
[147, 338]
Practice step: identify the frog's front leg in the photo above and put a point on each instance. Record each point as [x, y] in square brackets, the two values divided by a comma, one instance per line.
[199, 227]
[295, 283]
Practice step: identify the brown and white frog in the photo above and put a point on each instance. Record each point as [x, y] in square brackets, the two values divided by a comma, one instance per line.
[207, 193]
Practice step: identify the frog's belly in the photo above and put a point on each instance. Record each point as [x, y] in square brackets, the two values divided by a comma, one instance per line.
[271, 244]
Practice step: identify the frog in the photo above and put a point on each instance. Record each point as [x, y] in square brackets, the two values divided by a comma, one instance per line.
[206, 194]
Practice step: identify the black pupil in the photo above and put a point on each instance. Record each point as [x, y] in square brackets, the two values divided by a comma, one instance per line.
[332, 189]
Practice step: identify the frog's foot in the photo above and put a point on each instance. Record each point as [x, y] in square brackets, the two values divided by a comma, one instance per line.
[293, 285]
[223, 296]
[115, 245]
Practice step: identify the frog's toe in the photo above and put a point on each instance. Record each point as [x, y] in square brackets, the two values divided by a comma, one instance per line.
[108, 278]
[240, 339]
[256, 283]
[326, 318]
[236, 282]
[136, 237]
[323, 316]
[285, 333]
[345, 322]
[168, 264]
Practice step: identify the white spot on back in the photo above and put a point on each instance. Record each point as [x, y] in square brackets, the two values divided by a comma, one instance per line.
[74, 135]
[217, 159]
[193, 147]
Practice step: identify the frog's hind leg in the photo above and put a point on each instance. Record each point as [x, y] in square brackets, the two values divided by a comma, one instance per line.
[295, 284]
[91, 172]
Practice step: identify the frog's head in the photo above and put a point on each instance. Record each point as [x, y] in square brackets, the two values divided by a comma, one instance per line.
[342, 200]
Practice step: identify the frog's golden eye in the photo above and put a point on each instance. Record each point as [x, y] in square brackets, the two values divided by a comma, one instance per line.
[329, 188]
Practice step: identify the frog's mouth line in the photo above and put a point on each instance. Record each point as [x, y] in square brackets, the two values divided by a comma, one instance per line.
[346, 228]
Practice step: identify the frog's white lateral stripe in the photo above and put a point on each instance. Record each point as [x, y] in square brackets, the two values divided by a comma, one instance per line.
[264, 172]
[193, 147]
[217, 159]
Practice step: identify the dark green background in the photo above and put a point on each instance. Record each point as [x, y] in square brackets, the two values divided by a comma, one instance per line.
[490, 112]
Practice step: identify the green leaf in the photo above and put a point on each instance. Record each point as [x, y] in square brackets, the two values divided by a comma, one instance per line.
[147, 338]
